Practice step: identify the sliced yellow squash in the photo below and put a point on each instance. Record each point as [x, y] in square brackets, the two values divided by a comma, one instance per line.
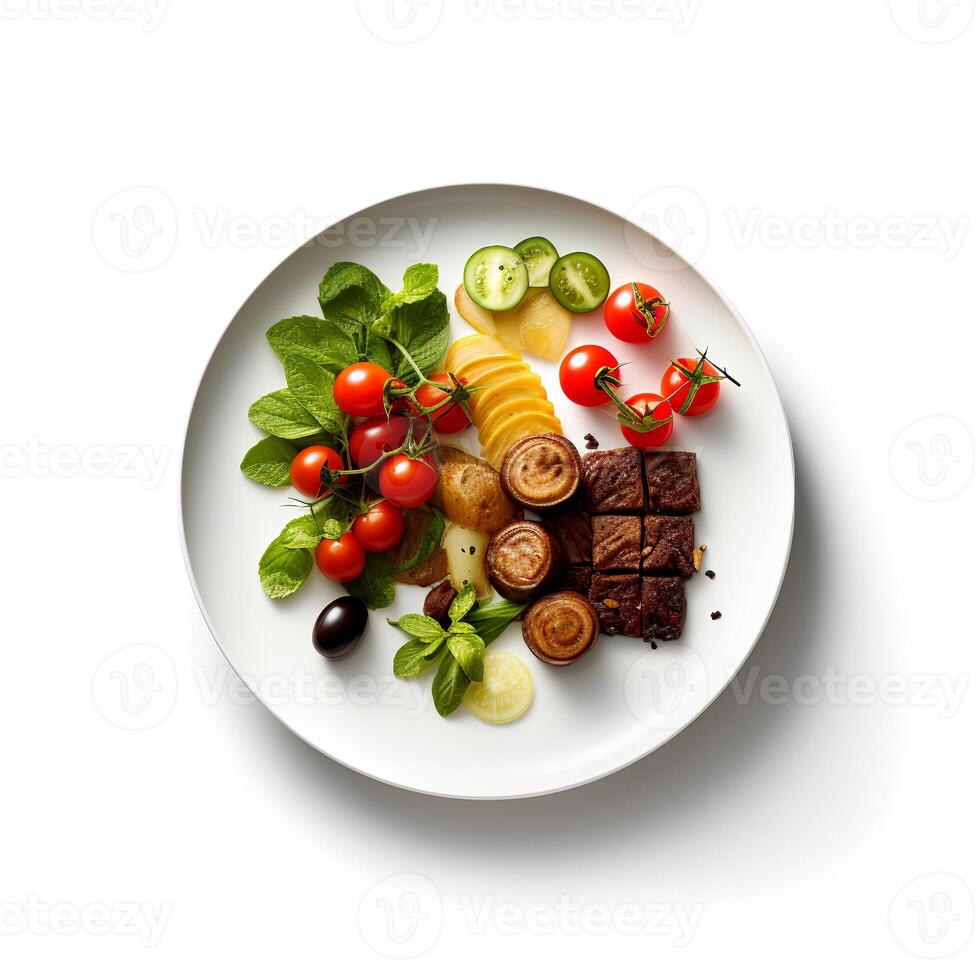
[507, 408]
[514, 429]
[475, 315]
[482, 410]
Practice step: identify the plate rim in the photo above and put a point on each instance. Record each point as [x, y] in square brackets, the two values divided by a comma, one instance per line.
[575, 783]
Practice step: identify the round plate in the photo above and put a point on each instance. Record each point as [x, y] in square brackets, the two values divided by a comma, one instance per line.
[623, 699]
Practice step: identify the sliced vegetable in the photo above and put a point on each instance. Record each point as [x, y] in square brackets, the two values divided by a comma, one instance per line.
[539, 255]
[580, 282]
[466, 550]
[496, 278]
[506, 691]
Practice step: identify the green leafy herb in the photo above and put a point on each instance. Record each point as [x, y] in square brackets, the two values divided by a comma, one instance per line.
[468, 649]
[303, 532]
[491, 619]
[333, 529]
[415, 657]
[268, 461]
[282, 569]
[375, 586]
[428, 543]
[449, 685]
[280, 414]
[320, 341]
[463, 603]
[418, 283]
[419, 626]
[351, 297]
[312, 387]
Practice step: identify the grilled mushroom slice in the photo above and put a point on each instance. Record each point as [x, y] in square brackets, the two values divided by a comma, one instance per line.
[561, 628]
[523, 561]
[542, 473]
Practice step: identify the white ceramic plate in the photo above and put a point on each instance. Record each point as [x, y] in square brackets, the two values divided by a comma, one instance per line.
[621, 701]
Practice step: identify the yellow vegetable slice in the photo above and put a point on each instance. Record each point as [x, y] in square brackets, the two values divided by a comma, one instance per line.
[482, 410]
[508, 323]
[505, 692]
[543, 324]
[479, 366]
[507, 408]
[514, 429]
[474, 314]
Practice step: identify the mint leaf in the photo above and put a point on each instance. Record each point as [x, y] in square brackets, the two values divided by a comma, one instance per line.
[463, 603]
[280, 414]
[303, 532]
[332, 529]
[415, 657]
[423, 330]
[351, 296]
[375, 586]
[326, 344]
[468, 651]
[449, 685]
[418, 283]
[417, 625]
[428, 543]
[461, 628]
[282, 570]
[268, 462]
[312, 387]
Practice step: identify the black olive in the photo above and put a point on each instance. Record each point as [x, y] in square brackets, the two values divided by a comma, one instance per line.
[339, 628]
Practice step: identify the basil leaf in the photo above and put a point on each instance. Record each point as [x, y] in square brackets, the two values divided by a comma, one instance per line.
[461, 628]
[468, 650]
[463, 603]
[352, 295]
[415, 657]
[448, 686]
[268, 461]
[431, 537]
[324, 343]
[280, 414]
[418, 283]
[332, 529]
[312, 387]
[375, 586]
[491, 620]
[423, 330]
[304, 532]
[282, 570]
[378, 351]
[423, 627]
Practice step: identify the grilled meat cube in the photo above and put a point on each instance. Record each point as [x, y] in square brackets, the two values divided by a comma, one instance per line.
[668, 545]
[574, 530]
[616, 543]
[613, 481]
[617, 601]
[664, 607]
[672, 483]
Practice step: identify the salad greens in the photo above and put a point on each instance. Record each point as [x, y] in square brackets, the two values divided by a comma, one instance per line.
[406, 333]
[458, 650]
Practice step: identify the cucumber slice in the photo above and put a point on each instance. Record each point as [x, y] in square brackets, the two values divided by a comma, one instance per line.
[580, 282]
[539, 255]
[496, 278]
[506, 691]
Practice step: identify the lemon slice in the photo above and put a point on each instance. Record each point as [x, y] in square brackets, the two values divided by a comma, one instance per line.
[506, 691]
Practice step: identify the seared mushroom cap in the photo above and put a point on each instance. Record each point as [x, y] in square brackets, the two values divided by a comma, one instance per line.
[542, 473]
[524, 560]
[561, 628]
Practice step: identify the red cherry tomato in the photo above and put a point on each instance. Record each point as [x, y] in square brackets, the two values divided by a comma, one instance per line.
[307, 466]
[377, 435]
[341, 560]
[407, 482]
[446, 420]
[359, 389]
[380, 528]
[677, 386]
[636, 322]
[578, 372]
[650, 404]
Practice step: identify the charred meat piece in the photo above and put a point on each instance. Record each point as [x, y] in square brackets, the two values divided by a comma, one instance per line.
[524, 561]
[438, 601]
[574, 530]
[664, 607]
[616, 599]
[668, 546]
[542, 473]
[672, 483]
[561, 628]
[616, 543]
[613, 481]
[577, 578]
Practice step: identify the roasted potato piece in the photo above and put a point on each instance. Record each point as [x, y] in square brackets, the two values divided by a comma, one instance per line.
[435, 568]
[469, 493]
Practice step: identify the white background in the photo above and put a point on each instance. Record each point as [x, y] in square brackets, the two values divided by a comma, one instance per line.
[821, 162]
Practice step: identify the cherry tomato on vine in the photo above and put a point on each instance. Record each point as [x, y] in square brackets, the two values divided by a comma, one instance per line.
[650, 404]
[359, 389]
[450, 419]
[307, 466]
[380, 528]
[636, 319]
[368, 440]
[678, 385]
[407, 482]
[577, 375]
[341, 560]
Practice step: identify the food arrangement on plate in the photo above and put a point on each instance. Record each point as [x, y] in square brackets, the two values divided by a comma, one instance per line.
[574, 545]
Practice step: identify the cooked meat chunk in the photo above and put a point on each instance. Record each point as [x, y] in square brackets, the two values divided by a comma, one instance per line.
[664, 607]
[613, 481]
[574, 531]
[672, 483]
[668, 545]
[617, 601]
[616, 542]
[577, 578]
